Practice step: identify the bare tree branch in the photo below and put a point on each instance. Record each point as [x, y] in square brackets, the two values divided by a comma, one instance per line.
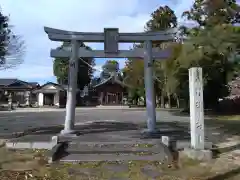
[12, 47]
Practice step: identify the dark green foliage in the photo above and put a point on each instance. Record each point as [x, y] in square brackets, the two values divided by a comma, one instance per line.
[111, 67]
[85, 73]
[4, 31]
[212, 44]
[161, 19]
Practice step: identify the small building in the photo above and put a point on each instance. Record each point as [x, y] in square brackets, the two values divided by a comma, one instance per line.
[52, 94]
[111, 91]
[17, 91]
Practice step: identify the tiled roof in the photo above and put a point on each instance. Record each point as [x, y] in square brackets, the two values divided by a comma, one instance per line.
[113, 79]
[5, 82]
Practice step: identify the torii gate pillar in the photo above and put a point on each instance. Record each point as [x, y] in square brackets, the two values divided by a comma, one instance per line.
[71, 91]
[149, 87]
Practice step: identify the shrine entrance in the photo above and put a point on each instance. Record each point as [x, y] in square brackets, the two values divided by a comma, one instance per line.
[111, 39]
[111, 99]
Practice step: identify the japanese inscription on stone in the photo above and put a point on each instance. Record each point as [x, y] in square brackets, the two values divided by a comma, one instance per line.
[196, 108]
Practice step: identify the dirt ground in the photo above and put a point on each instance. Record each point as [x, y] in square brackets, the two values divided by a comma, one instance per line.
[32, 165]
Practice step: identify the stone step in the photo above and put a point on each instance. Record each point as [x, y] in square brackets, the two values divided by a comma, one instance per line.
[76, 148]
[109, 151]
[75, 158]
[105, 141]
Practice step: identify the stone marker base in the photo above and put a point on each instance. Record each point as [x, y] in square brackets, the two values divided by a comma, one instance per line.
[200, 155]
[184, 149]
[181, 144]
[18, 144]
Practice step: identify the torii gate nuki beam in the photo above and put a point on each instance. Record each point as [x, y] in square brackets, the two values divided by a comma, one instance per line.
[111, 37]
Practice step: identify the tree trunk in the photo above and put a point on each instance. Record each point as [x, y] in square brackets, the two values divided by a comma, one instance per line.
[169, 100]
[162, 101]
[178, 103]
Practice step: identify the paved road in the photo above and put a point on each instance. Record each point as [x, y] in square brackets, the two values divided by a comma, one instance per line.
[16, 122]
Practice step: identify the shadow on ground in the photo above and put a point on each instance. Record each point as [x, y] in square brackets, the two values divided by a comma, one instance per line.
[120, 130]
[96, 127]
[227, 175]
[215, 130]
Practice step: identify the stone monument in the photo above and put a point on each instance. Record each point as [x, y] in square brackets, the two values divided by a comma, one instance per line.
[196, 108]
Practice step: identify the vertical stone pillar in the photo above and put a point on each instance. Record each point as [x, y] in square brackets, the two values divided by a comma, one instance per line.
[27, 98]
[71, 92]
[196, 108]
[101, 98]
[107, 98]
[10, 105]
[149, 87]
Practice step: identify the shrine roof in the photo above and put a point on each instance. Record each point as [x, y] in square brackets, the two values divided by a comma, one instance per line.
[113, 79]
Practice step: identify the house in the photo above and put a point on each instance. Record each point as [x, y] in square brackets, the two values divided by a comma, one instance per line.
[17, 91]
[52, 94]
[111, 91]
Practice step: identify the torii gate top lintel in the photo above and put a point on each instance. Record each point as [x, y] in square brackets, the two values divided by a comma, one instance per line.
[63, 35]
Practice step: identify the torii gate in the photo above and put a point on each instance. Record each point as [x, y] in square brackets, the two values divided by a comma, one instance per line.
[111, 37]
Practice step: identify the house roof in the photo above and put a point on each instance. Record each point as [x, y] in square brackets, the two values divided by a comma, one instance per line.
[5, 82]
[112, 79]
[59, 86]
[51, 83]
[11, 83]
[34, 84]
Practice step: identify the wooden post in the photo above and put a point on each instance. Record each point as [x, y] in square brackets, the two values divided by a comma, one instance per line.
[101, 98]
[117, 101]
[107, 98]
[122, 97]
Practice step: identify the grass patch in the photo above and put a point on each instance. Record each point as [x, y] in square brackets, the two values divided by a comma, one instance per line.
[230, 117]
[142, 145]
[32, 165]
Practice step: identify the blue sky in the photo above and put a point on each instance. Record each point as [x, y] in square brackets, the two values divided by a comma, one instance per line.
[29, 17]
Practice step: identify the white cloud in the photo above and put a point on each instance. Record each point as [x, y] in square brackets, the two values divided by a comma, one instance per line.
[29, 17]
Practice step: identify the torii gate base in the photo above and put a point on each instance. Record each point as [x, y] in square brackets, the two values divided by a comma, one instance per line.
[110, 37]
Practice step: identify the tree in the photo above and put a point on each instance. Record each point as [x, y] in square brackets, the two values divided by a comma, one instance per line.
[207, 13]
[111, 67]
[209, 45]
[134, 76]
[85, 73]
[162, 19]
[11, 46]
